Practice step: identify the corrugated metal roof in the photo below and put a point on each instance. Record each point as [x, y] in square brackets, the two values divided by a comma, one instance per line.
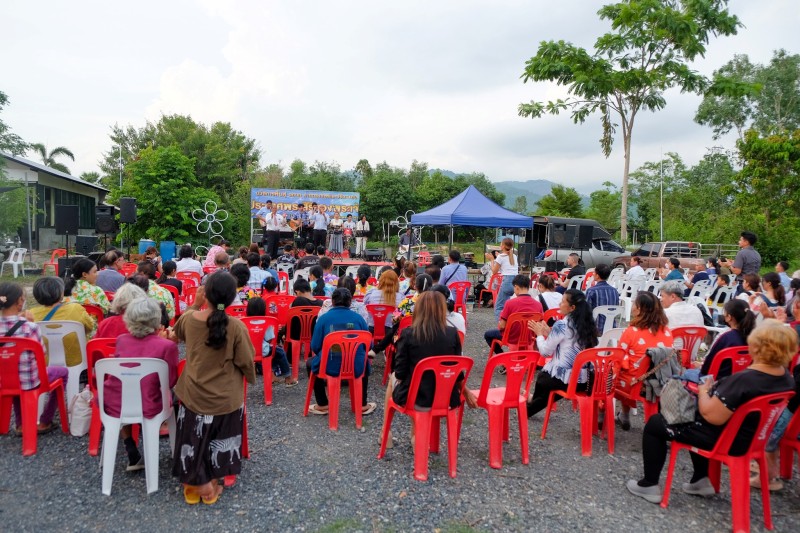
[39, 167]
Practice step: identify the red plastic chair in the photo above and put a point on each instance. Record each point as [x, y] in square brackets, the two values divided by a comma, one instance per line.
[391, 349]
[379, 313]
[517, 329]
[128, 269]
[424, 258]
[238, 310]
[446, 370]
[348, 342]
[789, 445]
[494, 285]
[606, 363]
[739, 358]
[555, 314]
[691, 337]
[630, 393]
[459, 291]
[283, 282]
[209, 269]
[176, 297]
[588, 280]
[321, 298]
[53, 263]
[189, 295]
[96, 349]
[95, 311]
[191, 277]
[768, 408]
[372, 282]
[11, 348]
[257, 327]
[306, 315]
[278, 306]
[109, 295]
[498, 401]
[795, 361]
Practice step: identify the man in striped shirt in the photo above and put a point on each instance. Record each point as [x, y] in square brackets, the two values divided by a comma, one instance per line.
[602, 293]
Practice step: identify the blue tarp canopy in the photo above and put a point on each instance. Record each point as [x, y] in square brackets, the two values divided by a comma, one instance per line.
[471, 208]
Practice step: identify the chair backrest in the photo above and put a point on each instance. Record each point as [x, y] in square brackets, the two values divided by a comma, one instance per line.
[237, 310]
[128, 269]
[17, 255]
[55, 331]
[210, 269]
[96, 349]
[380, 313]
[352, 271]
[654, 286]
[189, 295]
[131, 371]
[520, 367]
[109, 295]
[58, 252]
[552, 313]
[189, 276]
[769, 407]
[516, 334]
[461, 289]
[611, 313]
[307, 316]
[739, 357]
[348, 343]
[690, 338]
[372, 281]
[321, 297]
[301, 273]
[173, 290]
[11, 349]
[628, 289]
[257, 327]
[605, 364]
[278, 306]
[701, 288]
[610, 337]
[446, 369]
[95, 311]
[284, 267]
[284, 283]
[588, 280]
[494, 282]
[795, 361]
[405, 322]
[576, 281]
[650, 273]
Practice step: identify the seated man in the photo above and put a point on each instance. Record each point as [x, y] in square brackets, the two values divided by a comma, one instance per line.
[679, 313]
[601, 293]
[575, 269]
[407, 240]
[521, 302]
[327, 268]
[309, 260]
[781, 267]
[257, 275]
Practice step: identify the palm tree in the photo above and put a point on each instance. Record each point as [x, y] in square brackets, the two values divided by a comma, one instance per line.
[48, 158]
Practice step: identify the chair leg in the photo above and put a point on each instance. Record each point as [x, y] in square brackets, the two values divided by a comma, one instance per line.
[506, 414]
[150, 430]
[435, 434]
[5, 414]
[587, 425]
[714, 472]
[522, 418]
[786, 450]
[452, 440]
[266, 372]
[245, 438]
[495, 436]
[740, 494]
[608, 424]
[422, 427]
[355, 399]
[334, 391]
[673, 455]
[311, 378]
[650, 409]
[62, 407]
[29, 409]
[550, 406]
[110, 441]
[387, 426]
[295, 358]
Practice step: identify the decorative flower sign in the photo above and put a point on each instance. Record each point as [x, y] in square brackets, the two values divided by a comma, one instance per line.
[404, 223]
[209, 220]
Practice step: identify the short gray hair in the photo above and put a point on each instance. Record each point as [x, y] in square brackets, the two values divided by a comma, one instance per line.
[673, 287]
[124, 296]
[48, 290]
[142, 317]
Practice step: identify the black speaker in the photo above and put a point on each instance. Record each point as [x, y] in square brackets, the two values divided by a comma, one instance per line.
[560, 237]
[527, 254]
[96, 257]
[374, 254]
[85, 244]
[585, 237]
[127, 210]
[104, 219]
[65, 263]
[553, 266]
[66, 220]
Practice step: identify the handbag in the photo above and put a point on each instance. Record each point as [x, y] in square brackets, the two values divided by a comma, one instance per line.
[80, 413]
[678, 404]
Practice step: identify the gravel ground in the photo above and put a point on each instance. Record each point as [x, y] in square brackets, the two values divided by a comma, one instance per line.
[303, 477]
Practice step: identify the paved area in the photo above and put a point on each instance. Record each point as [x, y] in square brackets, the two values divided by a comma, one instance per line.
[303, 477]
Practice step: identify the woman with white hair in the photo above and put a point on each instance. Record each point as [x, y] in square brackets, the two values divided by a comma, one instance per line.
[143, 320]
[114, 325]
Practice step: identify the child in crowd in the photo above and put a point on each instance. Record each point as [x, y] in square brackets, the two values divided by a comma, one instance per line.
[280, 364]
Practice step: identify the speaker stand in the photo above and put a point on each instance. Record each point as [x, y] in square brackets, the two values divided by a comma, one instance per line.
[67, 271]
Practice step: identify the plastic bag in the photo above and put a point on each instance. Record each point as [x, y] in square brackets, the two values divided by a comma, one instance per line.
[80, 413]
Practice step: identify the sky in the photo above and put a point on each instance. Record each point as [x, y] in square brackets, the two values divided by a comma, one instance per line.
[435, 81]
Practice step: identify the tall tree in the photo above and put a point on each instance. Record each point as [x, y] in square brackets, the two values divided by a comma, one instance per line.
[646, 53]
[49, 157]
[10, 143]
[91, 177]
[561, 201]
[386, 195]
[604, 205]
[520, 205]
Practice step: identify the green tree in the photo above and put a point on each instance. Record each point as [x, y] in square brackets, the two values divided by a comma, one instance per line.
[364, 170]
[435, 189]
[482, 183]
[14, 212]
[91, 177]
[386, 195]
[769, 102]
[11, 143]
[520, 205]
[417, 173]
[166, 190]
[647, 52]
[49, 157]
[561, 201]
[604, 205]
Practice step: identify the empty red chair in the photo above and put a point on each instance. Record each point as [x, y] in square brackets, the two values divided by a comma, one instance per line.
[306, 316]
[11, 349]
[690, 337]
[498, 401]
[389, 351]
[96, 349]
[768, 408]
[789, 445]
[238, 310]
[446, 370]
[95, 311]
[53, 263]
[257, 327]
[348, 343]
[516, 335]
[738, 357]
[424, 258]
[191, 277]
[278, 305]
[494, 285]
[606, 363]
[459, 291]
[380, 313]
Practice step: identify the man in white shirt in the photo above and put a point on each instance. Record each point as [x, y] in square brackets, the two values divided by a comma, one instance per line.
[362, 228]
[635, 273]
[272, 230]
[261, 216]
[187, 262]
[320, 219]
[679, 313]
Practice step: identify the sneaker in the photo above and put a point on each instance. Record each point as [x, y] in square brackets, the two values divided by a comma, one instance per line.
[701, 487]
[651, 494]
[134, 467]
[625, 424]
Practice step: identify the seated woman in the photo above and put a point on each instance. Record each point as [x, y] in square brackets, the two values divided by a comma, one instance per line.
[81, 287]
[339, 318]
[318, 285]
[362, 283]
[387, 293]
[648, 329]
[772, 346]
[280, 365]
[548, 297]
[750, 285]
[14, 322]
[405, 308]
[772, 297]
[741, 320]
[575, 332]
[143, 320]
[348, 283]
[408, 278]
[48, 292]
[114, 325]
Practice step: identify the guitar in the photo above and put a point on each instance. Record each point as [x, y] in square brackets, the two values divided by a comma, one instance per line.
[294, 224]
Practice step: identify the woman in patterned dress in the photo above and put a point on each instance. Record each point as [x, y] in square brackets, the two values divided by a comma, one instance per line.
[81, 286]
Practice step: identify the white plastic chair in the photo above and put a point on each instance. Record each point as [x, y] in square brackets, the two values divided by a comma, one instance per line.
[352, 271]
[654, 286]
[575, 282]
[615, 278]
[16, 258]
[130, 371]
[284, 267]
[700, 289]
[612, 313]
[54, 332]
[300, 273]
[650, 273]
[610, 338]
[723, 295]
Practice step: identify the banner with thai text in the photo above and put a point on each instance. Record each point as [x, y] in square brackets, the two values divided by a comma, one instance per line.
[287, 200]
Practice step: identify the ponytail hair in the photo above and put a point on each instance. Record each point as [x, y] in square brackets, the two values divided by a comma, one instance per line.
[319, 284]
[79, 268]
[167, 269]
[10, 293]
[745, 319]
[220, 293]
[508, 247]
[774, 281]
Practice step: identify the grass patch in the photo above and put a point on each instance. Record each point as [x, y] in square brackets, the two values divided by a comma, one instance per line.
[343, 524]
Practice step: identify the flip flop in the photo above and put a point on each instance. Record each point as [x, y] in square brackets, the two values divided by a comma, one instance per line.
[212, 501]
[291, 383]
[315, 410]
[190, 495]
[369, 408]
[47, 429]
